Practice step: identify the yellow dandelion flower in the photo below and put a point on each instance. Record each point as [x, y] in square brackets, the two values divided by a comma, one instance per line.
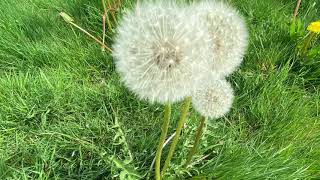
[314, 27]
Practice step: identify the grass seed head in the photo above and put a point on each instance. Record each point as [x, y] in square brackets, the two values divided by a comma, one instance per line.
[66, 17]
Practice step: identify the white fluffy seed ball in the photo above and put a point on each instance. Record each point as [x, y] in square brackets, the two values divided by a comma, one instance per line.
[228, 32]
[214, 99]
[160, 50]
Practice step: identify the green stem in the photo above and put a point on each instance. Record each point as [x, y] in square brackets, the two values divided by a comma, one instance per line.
[307, 43]
[196, 141]
[164, 131]
[183, 118]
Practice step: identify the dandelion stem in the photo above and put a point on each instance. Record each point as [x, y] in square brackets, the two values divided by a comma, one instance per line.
[196, 141]
[183, 117]
[164, 131]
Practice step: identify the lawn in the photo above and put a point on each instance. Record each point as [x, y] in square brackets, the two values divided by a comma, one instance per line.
[64, 113]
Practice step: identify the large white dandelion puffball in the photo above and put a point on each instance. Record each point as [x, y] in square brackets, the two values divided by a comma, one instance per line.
[160, 50]
[213, 99]
[228, 32]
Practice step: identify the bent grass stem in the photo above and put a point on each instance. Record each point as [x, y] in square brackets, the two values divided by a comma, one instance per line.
[69, 20]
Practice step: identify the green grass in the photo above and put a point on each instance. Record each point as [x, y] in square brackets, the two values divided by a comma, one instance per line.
[64, 113]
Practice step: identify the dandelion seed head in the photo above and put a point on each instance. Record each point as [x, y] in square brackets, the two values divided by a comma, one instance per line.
[228, 32]
[158, 55]
[214, 99]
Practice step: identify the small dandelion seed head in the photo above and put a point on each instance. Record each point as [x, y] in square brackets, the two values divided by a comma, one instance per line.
[228, 32]
[154, 53]
[214, 99]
